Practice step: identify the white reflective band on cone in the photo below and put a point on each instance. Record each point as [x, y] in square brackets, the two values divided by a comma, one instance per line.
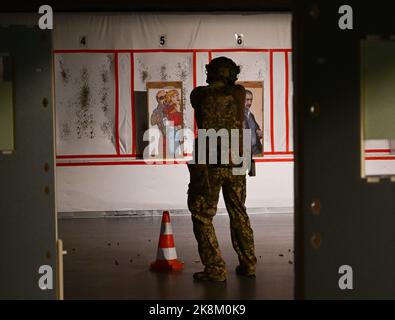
[166, 254]
[166, 228]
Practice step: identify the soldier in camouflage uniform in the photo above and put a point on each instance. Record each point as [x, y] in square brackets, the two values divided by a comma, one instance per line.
[219, 105]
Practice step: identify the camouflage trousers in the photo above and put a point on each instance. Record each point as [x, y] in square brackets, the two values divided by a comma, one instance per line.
[203, 194]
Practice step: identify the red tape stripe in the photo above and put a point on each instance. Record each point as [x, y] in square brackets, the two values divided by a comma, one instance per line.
[286, 102]
[195, 129]
[275, 160]
[134, 141]
[137, 162]
[116, 104]
[94, 156]
[380, 158]
[278, 153]
[271, 101]
[167, 50]
[119, 163]
[378, 150]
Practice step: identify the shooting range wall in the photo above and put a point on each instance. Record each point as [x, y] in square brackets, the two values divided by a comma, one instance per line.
[101, 65]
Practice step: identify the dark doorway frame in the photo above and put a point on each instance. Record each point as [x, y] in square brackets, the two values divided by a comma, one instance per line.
[195, 6]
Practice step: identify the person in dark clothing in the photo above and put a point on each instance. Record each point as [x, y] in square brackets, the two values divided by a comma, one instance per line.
[251, 123]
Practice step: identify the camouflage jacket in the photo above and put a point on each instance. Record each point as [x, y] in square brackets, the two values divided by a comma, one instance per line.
[219, 107]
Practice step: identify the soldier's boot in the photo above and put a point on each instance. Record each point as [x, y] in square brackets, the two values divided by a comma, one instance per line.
[207, 275]
[243, 270]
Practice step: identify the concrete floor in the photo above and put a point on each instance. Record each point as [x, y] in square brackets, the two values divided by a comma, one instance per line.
[110, 258]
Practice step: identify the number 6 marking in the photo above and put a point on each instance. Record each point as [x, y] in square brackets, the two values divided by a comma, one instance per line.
[239, 39]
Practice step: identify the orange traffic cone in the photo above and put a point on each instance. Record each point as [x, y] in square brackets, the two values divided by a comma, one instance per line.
[166, 257]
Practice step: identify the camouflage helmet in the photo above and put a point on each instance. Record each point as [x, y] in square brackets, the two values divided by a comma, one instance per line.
[213, 67]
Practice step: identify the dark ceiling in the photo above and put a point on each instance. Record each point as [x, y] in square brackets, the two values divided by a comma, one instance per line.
[147, 5]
